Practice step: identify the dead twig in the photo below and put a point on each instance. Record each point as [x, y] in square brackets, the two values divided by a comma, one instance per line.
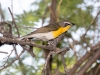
[3, 52]
[51, 10]
[5, 66]
[14, 22]
[2, 18]
[91, 23]
[64, 63]
[14, 46]
[45, 65]
[31, 51]
[8, 57]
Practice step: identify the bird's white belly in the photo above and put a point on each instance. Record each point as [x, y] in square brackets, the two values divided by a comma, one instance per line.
[43, 36]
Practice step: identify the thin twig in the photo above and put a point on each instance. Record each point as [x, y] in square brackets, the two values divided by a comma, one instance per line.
[46, 62]
[12, 61]
[3, 52]
[64, 64]
[14, 22]
[14, 46]
[8, 57]
[31, 51]
[48, 57]
[1, 14]
[2, 23]
[52, 12]
[91, 23]
[58, 9]
[31, 27]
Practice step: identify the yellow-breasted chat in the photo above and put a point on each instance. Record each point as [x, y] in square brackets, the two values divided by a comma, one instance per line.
[50, 31]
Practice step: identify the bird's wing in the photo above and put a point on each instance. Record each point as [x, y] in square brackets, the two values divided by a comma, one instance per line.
[48, 28]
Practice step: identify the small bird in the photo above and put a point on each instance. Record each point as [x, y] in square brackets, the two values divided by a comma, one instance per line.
[50, 31]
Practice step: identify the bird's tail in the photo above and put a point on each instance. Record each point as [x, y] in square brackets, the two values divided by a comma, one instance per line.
[24, 37]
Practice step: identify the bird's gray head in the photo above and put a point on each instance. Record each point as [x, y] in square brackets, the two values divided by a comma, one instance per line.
[65, 23]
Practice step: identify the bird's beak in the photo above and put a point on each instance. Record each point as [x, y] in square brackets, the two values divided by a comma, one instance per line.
[73, 24]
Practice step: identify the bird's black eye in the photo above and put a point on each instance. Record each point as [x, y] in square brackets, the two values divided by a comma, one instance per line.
[66, 23]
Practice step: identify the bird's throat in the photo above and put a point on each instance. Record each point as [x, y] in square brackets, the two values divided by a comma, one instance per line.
[60, 31]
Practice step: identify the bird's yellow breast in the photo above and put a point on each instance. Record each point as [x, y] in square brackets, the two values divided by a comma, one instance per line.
[60, 31]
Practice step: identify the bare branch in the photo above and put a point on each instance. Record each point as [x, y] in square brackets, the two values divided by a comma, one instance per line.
[86, 56]
[57, 51]
[21, 42]
[89, 63]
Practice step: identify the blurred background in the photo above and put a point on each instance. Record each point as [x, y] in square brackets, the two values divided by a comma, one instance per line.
[32, 14]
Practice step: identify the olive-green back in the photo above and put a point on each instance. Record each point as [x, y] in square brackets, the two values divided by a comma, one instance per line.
[48, 28]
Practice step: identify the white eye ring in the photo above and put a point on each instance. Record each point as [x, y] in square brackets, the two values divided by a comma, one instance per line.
[67, 23]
